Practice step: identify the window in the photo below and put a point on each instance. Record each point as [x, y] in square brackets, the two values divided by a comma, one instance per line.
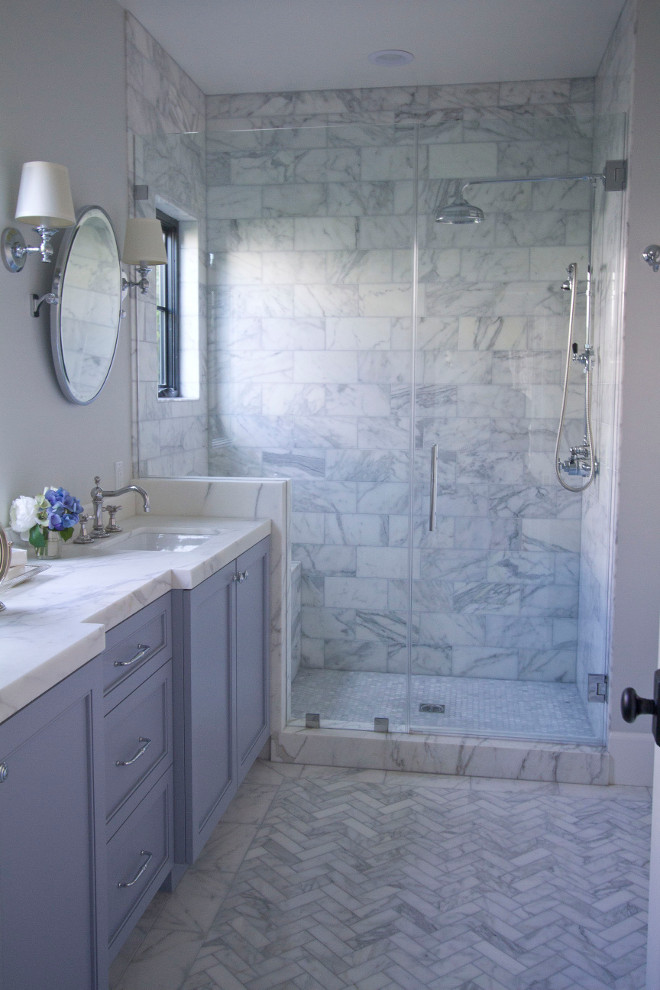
[167, 306]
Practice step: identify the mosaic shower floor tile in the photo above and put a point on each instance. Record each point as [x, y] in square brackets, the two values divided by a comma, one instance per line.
[533, 710]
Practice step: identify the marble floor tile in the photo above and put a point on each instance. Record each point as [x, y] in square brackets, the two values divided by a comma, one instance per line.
[320, 878]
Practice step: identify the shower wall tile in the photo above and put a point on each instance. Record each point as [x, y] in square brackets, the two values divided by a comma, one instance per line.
[480, 662]
[309, 527]
[535, 91]
[361, 530]
[381, 562]
[365, 592]
[168, 154]
[546, 665]
[451, 160]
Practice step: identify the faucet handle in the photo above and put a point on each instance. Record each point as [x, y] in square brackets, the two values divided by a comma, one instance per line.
[112, 511]
[83, 536]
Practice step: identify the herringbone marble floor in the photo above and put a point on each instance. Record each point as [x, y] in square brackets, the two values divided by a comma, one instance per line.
[323, 879]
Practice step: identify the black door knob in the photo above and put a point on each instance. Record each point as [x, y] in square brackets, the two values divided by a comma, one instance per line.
[632, 705]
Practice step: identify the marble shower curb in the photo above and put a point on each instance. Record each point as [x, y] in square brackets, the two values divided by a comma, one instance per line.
[461, 756]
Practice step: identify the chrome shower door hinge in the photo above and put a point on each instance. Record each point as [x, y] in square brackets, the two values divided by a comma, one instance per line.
[598, 688]
[616, 174]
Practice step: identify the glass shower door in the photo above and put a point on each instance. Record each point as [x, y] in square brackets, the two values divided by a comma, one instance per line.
[311, 293]
[496, 580]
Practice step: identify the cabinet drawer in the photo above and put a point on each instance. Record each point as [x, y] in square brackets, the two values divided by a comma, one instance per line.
[139, 643]
[139, 859]
[138, 739]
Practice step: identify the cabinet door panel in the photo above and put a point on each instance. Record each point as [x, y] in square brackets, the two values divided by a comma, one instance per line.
[139, 857]
[138, 739]
[207, 714]
[48, 828]
[252, 630]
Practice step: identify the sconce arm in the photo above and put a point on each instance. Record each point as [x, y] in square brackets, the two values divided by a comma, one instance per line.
[15, 250]
[142, 283]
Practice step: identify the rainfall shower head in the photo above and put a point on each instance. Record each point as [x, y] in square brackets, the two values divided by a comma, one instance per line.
[460, 211]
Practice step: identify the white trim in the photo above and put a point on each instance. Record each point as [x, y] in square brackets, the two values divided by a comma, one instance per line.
[631, 756]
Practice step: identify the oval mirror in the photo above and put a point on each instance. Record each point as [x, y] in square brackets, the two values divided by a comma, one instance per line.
[85, 317]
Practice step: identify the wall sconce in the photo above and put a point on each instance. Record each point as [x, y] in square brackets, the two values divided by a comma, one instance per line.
[44, 200]
[143, 246]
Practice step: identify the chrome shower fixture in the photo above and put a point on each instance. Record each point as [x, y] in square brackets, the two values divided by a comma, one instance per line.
[460, 211]
[582, 462]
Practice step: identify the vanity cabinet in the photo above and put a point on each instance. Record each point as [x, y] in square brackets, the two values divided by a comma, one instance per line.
[221, 631]
[52, 869]
[112, 781]
[138, 758]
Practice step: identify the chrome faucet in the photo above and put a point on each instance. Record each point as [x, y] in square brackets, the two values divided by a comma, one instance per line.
[98, 494]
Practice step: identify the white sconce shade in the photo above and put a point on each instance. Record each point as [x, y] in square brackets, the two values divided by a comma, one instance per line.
[144, 244]
[44, 196]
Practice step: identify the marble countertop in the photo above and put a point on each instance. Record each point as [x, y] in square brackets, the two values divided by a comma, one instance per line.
[56, 622]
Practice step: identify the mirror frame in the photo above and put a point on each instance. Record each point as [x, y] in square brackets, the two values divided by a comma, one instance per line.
[84, 215]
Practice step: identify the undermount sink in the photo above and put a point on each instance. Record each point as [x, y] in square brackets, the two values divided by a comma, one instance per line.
[158, 540]
[147, 539]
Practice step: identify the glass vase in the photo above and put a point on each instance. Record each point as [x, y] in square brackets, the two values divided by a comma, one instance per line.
[52, 547]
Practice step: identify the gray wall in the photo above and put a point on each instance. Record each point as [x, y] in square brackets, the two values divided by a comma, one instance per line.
[62, 99]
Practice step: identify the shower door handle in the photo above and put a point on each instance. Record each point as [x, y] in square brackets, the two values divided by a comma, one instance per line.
[434, 486]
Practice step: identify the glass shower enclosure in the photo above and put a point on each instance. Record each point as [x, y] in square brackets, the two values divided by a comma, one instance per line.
[358, 347]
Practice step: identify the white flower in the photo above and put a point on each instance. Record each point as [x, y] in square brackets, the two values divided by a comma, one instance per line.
[23, 515]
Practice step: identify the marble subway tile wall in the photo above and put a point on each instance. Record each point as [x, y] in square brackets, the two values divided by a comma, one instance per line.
[314, 203]
[166, 124]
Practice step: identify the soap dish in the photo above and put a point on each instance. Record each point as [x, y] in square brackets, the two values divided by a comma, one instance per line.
[31, 571]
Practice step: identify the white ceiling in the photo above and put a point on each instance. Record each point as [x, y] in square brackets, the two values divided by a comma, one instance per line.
[240, 46]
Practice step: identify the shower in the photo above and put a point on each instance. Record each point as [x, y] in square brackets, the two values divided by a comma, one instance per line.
[353, 341]
[460, 211]
[581, 461]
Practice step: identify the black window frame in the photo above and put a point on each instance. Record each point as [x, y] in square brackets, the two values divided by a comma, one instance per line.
[167, 309]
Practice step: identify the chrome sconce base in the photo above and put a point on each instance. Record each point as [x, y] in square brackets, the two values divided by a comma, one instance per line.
[15, 251]
[142, 283]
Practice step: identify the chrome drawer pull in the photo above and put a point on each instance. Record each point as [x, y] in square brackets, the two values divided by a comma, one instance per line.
[141, 751]
[130, 883]
[142, 651]
[4, 772]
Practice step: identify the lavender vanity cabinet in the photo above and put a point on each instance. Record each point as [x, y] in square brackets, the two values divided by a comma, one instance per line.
[221, 632]
[138, 758]
[252, 655]
[52, 867]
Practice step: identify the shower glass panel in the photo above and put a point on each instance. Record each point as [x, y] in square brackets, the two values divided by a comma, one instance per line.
[496, 582]
[311, 235]
[350, 335]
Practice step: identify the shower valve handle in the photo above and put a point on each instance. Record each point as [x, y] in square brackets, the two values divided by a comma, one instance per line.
[632, 706]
